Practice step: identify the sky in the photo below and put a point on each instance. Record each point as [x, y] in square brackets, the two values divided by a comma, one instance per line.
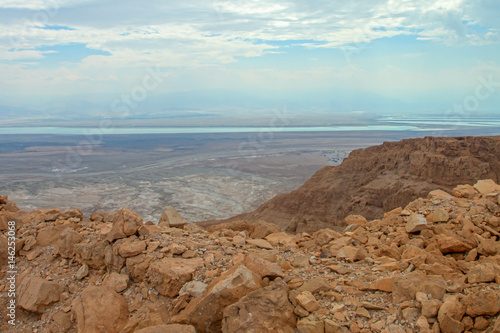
[80, 56]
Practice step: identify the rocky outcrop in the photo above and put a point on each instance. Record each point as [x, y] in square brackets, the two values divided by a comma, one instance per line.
[377, 179]
[431, 266]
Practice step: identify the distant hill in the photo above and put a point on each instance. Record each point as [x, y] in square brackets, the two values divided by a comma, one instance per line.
[380, 178]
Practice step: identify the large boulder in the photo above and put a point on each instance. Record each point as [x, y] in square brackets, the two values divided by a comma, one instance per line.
[36, 294]
[171, 218]
[125, 223]
[205, 313]
[100, 309]
[66, 242]
[264, 310]
[170, 274]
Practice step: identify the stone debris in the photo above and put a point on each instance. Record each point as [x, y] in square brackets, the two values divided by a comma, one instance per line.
[432, 266]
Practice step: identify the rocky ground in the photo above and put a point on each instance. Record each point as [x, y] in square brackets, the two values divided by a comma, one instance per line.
[432, 266]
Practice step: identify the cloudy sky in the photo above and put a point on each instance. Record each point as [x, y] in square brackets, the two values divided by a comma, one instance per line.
[415, 52]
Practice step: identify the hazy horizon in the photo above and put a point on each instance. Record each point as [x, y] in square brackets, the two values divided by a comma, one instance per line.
[64, 60]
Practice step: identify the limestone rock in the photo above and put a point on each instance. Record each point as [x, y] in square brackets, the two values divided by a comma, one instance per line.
[310, 325]
[416, 223]
[171, 218]
[125, 223]
[100, 309]
[483, 303]
[169, 275]
[450, 316]
[66, 242]
[194, 288]
[263, 268]
[260, 243]
[464, 191]
[406, 287]
[118, 282]
[36, 294]
[263, 229]
[83, 272]
[264, 310]
[91, 253]
[50, 235]
[355, 219]
[205, 313]
[486, 186]
[439, 215]
[307, 301]
[453, 244]
[138, 266]
[482, 273]
[131, 248]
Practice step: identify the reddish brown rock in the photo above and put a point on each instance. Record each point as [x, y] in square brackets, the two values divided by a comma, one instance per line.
[406, 287]
[355, 219]
[483, 273]
[91, 253]
[416, 223]
[453, 244]
[170, 274]
[66, 242]
[205, 313]
[264, 310]
[450, 316]
[125, 223]
[100, 309]
[262, 229]
[171, 218]
[36, 294]
[483, 303]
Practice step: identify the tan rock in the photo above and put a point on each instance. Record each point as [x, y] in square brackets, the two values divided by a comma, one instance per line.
[453, 244]
[71, 213]
[406, 287]
[169, 275]
[262, 229]
[355, 219]
[125, 223]
[172, 328]
[263, 268]
[137, 266]
[260, 243]
[118, 282]
[194, 289]
[132, 248]
[486, 186]
[50, 235]
[37, 294]
[310, 325]
[282, 238]
[482, 273]
[307, 300]
[325, 236]
[439, 215]
[450, 316]
[333, 327]
[264, 310]
[423, 325]
[100, 309]
[91, 253]
[430, 308]
[83, 272]
[351, 253]
[464, 191]
[438, 194]
[205, 313]
[383, 284]
[171, 218]
[66, 242]
[416, 223]
[483, 303]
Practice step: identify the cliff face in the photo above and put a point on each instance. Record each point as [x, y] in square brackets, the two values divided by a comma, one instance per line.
[380, 178]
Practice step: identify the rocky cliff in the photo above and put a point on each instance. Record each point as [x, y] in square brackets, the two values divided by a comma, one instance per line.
[433, 266]
[380, 178]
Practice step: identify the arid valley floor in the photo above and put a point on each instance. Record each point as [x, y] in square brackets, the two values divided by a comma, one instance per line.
[205, 176]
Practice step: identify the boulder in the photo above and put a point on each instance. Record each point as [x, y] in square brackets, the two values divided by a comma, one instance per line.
[138, 266]
[307, 300]
[263, 268]
[416, 223]
[205, 313]
[66, 242]
[464, 191]
[450, 316]
[131, 248]
[262, 243]
[453, 244]
[71, 213]
[483, 303]
[355, 219]
[482, 273]
[51, 235]
[439, 215]
[118, 282]
[486, 186]
[91, 252]
[100, 309]
[169, 275]
[194, 288]
[125, 223]
[264, 310]
[262, 229]
[171, 218]
[37, 294]
[405, 288]
[310, 325]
